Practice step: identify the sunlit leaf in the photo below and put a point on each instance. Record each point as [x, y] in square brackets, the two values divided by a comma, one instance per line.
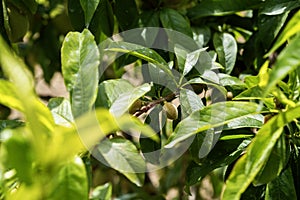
[276, 163]
[122, 155]
[226, 48]
[89, 8]
[189, 102]
[61, 111]
[9, 95]
[70, 181]
[125, 100]
[214, 115]
[80, 60]
[110, 90]
[292, 27]
[258, 152]
[102, 192]
[287, 61]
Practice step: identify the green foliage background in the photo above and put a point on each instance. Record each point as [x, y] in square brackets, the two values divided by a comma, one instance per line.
[249, 150]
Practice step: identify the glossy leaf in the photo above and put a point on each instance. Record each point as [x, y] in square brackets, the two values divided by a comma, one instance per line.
[201, 35]
[292, 27]
[214, 115]
[268, 29]
[231, 81]
[61, 111]
[136, 50]
[160, 77]
[89, 8]
[278, 7]
[189, 102]
[124, 157]
[102, 192]
[80, 60]
[287, 61]
[125, 100]
[219, 8]
[110, 90]
[171, 19]
[258, 152]
[192, 59]
[141, 52]
[226, 48]
[254, 121]
[70, 182]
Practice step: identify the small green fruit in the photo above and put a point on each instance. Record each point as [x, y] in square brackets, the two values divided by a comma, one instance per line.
[135, 106]
[171, 110]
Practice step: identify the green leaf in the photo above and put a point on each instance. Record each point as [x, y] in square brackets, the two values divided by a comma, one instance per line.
[76, 14]
[126, 13]
[80, 60]
[110, 90]
[278, 7]
[255, 92]
[254, 121]
[102, 192]
[231, 81]
[287, 61]
[201, 35]
[61, 111]
[171, 19]
[9, 124]
[189, 102]
[258, 152]
[150, 18]
[226, 48]
[199, 80]
[102, 21]
[18, 154]
[136, 50]
[93, 127]
[276, 163]
[150, 148]
[125, 100]
[89, 8]
[220, 8]
[282, 187]
[123, 156]
[223, 153]
[192, 59]
[70, 181]
[214, 115]
[9, 97]
[292, 28]
[36, 113]
[268, 28]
